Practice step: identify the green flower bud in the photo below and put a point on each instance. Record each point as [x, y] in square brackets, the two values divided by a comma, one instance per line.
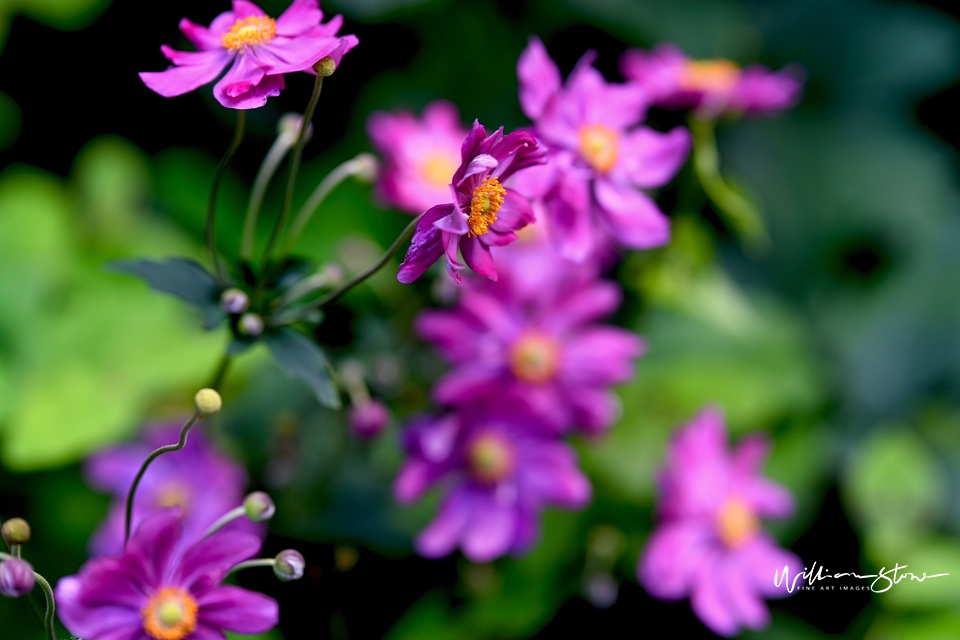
[325, 67]
[259, 506]
[208, 402]
[15, 531]
[289, 565]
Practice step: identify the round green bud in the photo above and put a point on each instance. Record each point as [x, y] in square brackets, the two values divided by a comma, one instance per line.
[15, 531]
[208, 402]
[325, 67]
[259, 506]
[289, 565]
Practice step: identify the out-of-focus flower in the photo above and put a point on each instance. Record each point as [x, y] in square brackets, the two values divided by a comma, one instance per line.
[709, 545]
[16, 578]
[419, 155]
[368, 419]
[500, 470]
[711, 87]
[484, 213]
[599, 157]
[198, 479]
[257, 48]
[541, 344]
[151, 591]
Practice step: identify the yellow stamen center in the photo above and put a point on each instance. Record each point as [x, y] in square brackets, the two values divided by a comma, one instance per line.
[709, 76]
[173, 495]
[171, 614]
[487, 200]
[534, 358]
[438, 168]
[736, 522]
[252, 30]
[490, 458]
[599, 146]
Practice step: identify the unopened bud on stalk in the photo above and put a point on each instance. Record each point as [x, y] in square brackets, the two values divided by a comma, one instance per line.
[259, 506]
[15, 531]
[368, 419]
[289, 127]
[208, 402]
[289, 565]
[325, 67]
[234, 301]
[251, 325]
[366, 167]
[16, 578]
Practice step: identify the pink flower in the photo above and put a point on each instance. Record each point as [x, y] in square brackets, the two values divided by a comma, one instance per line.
[712, 87]
[420, 155]
[709, 545]
[258, 48]
[483, 213]
[599, 157]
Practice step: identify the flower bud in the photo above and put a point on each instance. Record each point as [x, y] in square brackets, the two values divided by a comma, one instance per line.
[15, 531]
[251, 325]
[289, 565]
[366, 167]
[259, 506]
[289, 127]
[368, 419]
[325, 67]
[208, 402]
[16, 578]
[234, 301]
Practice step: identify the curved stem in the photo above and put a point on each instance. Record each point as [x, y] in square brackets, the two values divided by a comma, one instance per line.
[247, 564]
[226, 519]
[211, 230]
[50, 615]
[291, 180]
[143, 469]
[271, 162]
[328, 184]
[333, 295]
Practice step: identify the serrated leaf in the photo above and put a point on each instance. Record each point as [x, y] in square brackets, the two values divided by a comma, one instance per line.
[300, 358]
[182, 278]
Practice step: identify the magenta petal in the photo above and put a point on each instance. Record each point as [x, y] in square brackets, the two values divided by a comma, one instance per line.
[426, 246]
[205, 67]
[594, 410]
[243, 9]
[455, 223]
[491, 530]
[539, 78]
[571, 220]
[441, 536]
[238, 610]
[92, 620]
[601, 355]
[300, 16]
[210, 559]
[766, 562]
[238, 88]
[413, 480]
[477, 256]
[515, 214]
[672, 558]
[201, 37]
[286, 55]
[709, 599]
[153, 543]
[631, 217]
[650, 159]
[742, 595]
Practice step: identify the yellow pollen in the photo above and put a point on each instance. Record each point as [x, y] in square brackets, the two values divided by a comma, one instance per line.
[487, 200]
[599, 146]
[171, 614]
[490, 458]
[736, 522]
[438, 169]
[709, 75]
[173, 495]
[534, 358]
[252, 30]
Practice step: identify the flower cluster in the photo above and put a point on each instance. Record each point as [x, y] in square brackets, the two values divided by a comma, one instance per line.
[709, 544]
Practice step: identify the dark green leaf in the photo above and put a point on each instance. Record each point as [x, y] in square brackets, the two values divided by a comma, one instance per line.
[182, 278]
[300, 358]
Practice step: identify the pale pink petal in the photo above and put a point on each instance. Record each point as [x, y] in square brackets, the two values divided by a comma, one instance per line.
[631, 217]
[539, 78]
[300, 16]
[651, 159]
[672, 558]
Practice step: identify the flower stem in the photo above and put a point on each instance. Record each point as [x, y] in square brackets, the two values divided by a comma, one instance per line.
[291, 180]
[247, 564]
[211, 230]
[222, 367]
[328, 184]
[335, 294]
[143, 468]
[50, 615]
[226, 519]
[271, 162]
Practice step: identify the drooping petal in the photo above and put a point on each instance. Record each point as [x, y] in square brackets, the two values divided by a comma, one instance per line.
[205, 67]
[426, 247]
[631, 217]
[245, 85]
[238, 610]
[478, 257]
[650, 159]
[539, 78]
[709, 599]
[491, 529]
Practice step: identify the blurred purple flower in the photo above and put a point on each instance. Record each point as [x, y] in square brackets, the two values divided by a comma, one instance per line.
[198, 479]
[259, 50]
[709, 544]
[599, 157]
[535, 335]
[419, 155]
[711, 87]
[16, 578]
[500, 470]
[484, 213]
[368, 419]
[149, 591]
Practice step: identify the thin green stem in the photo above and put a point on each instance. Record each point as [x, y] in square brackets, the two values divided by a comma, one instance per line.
[291, 180]
[247, 564]
[271, 163]
[328, 184]
[143, 469]
[211, 225]
[335, 294]
[50, 616]
[221, 372]
[226, 519]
